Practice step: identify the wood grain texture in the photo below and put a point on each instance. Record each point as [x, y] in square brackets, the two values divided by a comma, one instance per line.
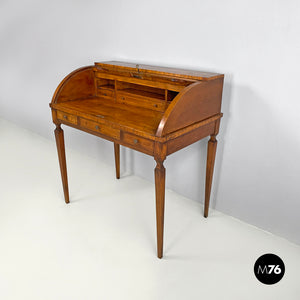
[77, 85]
[138, 143]
[183, 131]
[174, 72]
[62, 116]
[60, 143]
[195, 103]
[189, 138]
[100, 128]
[143, 101]
[126, 117]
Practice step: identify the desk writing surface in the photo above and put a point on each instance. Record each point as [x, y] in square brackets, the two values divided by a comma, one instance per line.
[136, 118]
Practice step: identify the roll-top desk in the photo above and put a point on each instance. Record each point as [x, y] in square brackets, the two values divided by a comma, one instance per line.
[154, 110]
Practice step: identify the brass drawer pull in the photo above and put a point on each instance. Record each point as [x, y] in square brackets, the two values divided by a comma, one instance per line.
[67, 117]
[97, 127]
[135, 141]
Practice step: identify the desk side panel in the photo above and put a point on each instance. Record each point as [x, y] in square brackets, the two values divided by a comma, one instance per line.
[195, 103]
[78, 84]
[189, 138]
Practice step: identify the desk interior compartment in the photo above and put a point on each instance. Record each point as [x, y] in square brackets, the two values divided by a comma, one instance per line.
[171, 95]
[141, 96]
[141, 90]
[146, 91]
[105, 88]
[144, 96]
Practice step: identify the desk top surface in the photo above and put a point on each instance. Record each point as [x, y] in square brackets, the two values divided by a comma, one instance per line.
[174, 72]
[136, 119]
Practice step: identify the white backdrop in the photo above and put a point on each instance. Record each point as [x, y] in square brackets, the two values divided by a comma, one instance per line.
[255, 43]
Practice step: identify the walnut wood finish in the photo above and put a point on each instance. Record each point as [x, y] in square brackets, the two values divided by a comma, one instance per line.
[147, 69]
[154, 110]
[197, 102]
[78, 84]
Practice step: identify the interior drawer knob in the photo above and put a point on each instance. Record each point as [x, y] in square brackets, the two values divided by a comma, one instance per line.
[97, 127]
[135, 141]
[65, 117]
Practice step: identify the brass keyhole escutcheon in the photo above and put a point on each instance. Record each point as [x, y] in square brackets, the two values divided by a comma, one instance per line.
[97, 127]
[135, 141]
[65, 117]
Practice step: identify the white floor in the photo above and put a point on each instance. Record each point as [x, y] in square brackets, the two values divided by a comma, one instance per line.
[102, 245]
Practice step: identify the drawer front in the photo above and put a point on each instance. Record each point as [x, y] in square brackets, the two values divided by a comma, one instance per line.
[138, 143]
[101, 128]
[140, 101]
[104, 92]
[66, 117]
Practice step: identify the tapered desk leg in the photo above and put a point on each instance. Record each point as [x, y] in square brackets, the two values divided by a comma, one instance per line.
[60, 143]
[211, 154]
[160, 205]
[117, 159]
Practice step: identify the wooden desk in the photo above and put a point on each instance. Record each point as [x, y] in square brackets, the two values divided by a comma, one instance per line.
[154, 110]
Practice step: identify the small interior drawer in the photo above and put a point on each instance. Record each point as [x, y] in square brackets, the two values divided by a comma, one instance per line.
[105, 92]
[139, 101]
[101, 128]
[66, 117]
[138, 143]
